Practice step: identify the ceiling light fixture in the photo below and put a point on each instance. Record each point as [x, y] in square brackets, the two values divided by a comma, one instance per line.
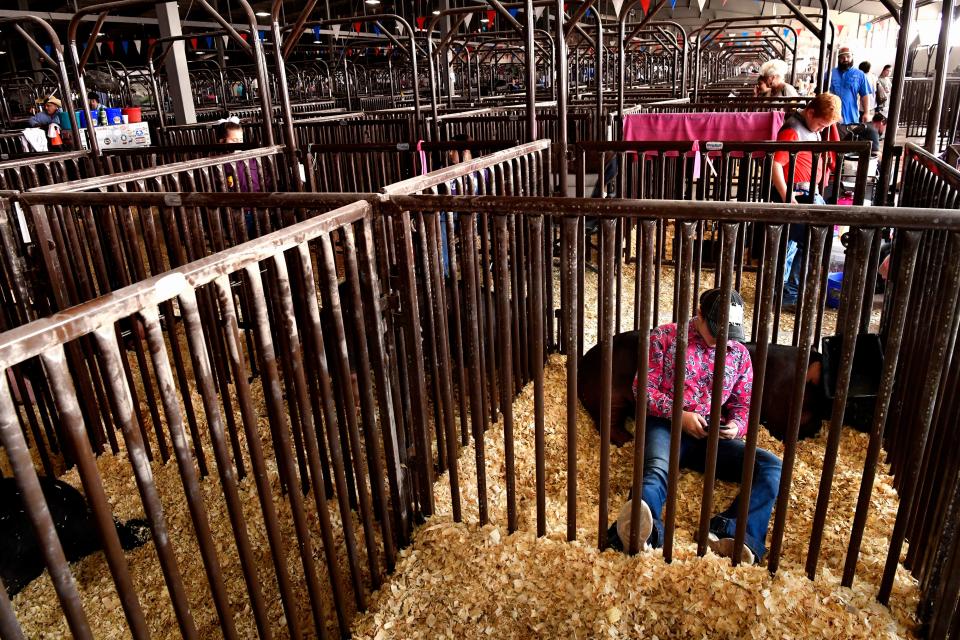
[317, 42]
[436, 12]
[372, 1]
[262, 14]
[484, 20]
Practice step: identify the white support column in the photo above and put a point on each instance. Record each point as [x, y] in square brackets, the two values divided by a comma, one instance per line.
[178, 78]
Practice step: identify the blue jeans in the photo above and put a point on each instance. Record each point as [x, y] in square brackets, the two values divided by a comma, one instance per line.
[793, 263]
[766, 482]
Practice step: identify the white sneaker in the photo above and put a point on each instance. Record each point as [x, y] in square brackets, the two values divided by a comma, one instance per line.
[623, 523]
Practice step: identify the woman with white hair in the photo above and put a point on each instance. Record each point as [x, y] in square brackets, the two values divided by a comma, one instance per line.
[771, 83]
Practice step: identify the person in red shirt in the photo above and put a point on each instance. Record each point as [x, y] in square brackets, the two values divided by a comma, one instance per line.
[698, 386]
[805, 125]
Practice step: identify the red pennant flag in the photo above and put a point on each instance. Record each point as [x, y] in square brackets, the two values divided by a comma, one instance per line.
[839, 29]
[357, 26]
[349, 52]
[244, 35]
[799, 31]
[111, 46]
[757, 33]
[151, 41]
[193, 42]
[646, 6]
[491, 16]
[421, 21]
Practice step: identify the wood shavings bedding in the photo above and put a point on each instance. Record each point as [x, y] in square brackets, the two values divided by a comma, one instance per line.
[480, 582]
[465, 581]
[37, 606]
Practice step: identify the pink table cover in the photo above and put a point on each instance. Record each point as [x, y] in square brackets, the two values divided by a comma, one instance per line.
[709, 127]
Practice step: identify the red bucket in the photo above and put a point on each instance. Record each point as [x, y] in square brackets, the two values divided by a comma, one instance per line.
[132, 113]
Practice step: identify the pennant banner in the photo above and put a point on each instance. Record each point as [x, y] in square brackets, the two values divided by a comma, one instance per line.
[467, 19]
[336, 31]
[616, 6]
[514, 12]
[421, 21]
[48, 48]
[868, 26]
[316, 33]
[673, 4]
[112, 46]
[100, 47]
[701, 3]
[226, 41]
[537, 11]
[357, 26]
[193, 42]
[646, 6]
[491, 17]
[839, 29]
[125, 45]
[209, 42]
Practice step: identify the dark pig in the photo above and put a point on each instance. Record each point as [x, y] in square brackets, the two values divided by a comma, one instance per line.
[774, 410]
[21, 560]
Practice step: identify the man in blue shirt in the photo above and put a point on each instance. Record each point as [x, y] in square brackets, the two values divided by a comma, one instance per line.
[853, 89]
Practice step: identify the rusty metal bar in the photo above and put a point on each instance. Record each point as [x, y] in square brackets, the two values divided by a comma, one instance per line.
[729, 237]
[862, 241]
[684, 231]
[571, 332]
[762, 338]
[815, 249]
[905, 275]
[645, 262]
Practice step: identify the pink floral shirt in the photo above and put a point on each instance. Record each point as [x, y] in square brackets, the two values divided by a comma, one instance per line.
[698, 383]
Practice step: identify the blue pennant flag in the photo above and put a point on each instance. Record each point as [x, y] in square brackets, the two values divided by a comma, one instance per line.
[673, 4]
[868, 26]
[209, 42]
[514, 12]
[316, 33]
[376, 30]
[125, 44]
[48, 48]
[263, 35]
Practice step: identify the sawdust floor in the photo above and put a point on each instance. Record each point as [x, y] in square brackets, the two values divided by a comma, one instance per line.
[37, 606]
[460, 580]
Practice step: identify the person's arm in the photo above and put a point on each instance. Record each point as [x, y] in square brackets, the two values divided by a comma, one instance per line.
[780, 183]
[865, 92]
[781, 160]
[659, 404]
[737, 408]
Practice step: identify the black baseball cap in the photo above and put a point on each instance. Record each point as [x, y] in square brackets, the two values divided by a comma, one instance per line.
[711, 305]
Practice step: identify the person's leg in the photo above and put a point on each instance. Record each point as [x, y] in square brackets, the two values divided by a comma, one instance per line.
[656, 465]
[763, 494]
[788, 259]
[791, 284]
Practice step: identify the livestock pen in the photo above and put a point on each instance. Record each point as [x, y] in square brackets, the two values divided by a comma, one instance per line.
[388, 386]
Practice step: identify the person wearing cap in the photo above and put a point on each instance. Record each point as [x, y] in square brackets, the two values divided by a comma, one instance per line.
[852, 87]
[806, 125]
[52, 114]
[700, 356]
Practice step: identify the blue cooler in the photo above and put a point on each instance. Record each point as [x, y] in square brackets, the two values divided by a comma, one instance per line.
[834, 282]
[114, 116]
